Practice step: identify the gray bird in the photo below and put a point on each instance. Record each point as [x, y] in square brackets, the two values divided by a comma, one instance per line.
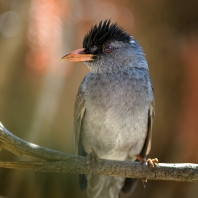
[114, 107]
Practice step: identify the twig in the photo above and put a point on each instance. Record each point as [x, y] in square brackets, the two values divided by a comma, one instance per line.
[56, 161]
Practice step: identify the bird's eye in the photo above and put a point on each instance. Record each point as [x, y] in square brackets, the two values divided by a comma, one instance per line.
[107, 49]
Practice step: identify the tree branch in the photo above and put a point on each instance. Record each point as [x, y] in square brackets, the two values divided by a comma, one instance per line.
[55, 161]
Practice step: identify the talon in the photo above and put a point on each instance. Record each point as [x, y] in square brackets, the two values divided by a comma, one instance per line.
[152, 162]
[144, 182]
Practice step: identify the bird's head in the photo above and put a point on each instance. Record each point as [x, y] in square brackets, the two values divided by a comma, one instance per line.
[108, 48]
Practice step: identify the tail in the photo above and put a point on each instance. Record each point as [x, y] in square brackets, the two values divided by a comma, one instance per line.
[129, 186]
[99, 186]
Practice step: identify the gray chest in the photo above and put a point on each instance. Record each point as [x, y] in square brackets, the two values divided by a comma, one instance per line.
[115, 122]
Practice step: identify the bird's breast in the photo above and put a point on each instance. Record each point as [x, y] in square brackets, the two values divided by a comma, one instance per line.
[115, 122]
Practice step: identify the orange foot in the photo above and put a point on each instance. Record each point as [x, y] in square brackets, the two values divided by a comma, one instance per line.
[151, 163]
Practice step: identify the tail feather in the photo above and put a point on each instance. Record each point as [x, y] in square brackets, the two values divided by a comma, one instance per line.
[104, 186]
[129, 186]
[82, 182]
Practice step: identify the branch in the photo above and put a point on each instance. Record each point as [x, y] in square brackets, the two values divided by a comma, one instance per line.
[17, 146]
[55, 161]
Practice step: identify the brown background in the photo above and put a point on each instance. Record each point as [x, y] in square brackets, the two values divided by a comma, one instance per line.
[38, 91]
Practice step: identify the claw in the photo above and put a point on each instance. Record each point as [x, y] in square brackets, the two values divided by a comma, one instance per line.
[152, 162]
[144, 182]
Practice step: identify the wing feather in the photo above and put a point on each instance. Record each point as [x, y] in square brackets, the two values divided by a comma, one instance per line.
[79, 112]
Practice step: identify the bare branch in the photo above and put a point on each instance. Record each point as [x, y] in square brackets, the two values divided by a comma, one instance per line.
[17, 146]
[56, 161]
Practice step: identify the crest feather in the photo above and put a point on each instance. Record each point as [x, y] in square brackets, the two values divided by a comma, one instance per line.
[105, 32]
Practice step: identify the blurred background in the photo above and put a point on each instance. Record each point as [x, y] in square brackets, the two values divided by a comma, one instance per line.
[38, 91]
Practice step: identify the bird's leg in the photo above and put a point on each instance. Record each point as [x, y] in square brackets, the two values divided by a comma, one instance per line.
[151, 163]
[140, 159]
[92, 158]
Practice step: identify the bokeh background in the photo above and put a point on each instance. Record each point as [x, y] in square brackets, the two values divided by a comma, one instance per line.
[38, 91]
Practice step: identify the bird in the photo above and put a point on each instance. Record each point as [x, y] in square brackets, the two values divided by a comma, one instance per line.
[114, 108]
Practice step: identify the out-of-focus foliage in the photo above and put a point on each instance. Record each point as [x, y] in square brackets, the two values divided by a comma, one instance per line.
[38, 91]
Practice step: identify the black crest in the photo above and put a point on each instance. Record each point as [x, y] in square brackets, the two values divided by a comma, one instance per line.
[104, 32]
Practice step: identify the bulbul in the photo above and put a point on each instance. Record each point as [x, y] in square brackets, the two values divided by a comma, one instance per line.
[114, 107]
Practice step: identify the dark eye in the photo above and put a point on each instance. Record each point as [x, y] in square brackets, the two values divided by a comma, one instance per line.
[107, 49]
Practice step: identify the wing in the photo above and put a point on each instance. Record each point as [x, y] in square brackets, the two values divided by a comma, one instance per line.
[147, 145]
[79, 112]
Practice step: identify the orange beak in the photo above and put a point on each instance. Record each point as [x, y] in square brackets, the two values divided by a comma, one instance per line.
[77, 55]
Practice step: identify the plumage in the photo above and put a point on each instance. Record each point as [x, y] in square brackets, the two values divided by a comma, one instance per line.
[104, 32]
[95, 118]
[114, 107]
